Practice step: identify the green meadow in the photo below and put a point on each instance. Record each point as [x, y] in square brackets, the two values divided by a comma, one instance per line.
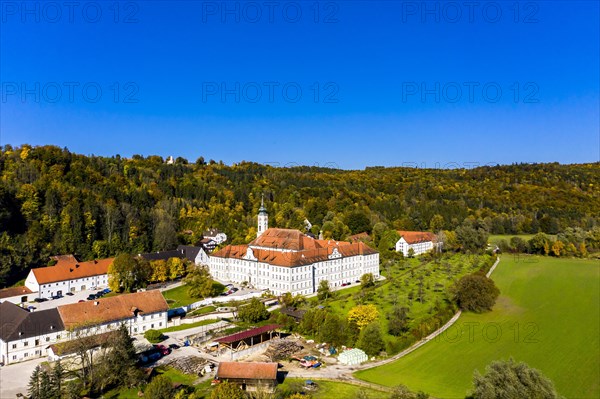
[548, 315]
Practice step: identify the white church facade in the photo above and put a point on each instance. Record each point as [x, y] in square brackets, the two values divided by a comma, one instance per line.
[285, 260]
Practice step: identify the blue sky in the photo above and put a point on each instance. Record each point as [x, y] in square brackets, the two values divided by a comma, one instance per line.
[338, 83]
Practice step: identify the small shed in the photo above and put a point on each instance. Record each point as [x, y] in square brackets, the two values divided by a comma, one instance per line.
[248, 338]
[249, 376]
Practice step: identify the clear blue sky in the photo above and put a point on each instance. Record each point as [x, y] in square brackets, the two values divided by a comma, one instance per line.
[346, 84]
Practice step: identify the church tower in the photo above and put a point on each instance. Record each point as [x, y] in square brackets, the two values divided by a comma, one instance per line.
[263, 218]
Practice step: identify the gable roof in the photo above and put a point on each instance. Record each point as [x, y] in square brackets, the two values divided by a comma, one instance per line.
[212, 233]
[285, 239]
[190, 252]
[249, 371]
[253, 332]
[106, 310]
[69, 270]
[14, 291]
[164, 255]
[414, 237]
[359, 236]
[17, 323]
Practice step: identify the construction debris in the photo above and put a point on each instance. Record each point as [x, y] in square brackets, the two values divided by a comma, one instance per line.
[191, 365]
[282, 349]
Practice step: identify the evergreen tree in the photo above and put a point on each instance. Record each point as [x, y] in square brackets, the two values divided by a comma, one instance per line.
[33, 389]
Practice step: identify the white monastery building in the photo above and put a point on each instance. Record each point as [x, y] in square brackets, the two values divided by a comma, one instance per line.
[419, 241]
[284, 260]
[68, 275]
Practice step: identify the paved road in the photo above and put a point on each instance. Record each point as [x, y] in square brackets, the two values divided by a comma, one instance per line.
[14, 378]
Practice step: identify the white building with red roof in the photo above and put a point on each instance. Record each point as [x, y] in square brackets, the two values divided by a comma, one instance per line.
[285, 260]
[419, 241]
[68, 275]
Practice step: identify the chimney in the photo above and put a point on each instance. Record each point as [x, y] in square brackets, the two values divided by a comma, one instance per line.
[71, 270]
[76, 265]
[52, 327]
[96, 303]
[95, 261]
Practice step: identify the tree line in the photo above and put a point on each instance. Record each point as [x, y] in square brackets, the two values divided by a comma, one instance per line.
[53, 201]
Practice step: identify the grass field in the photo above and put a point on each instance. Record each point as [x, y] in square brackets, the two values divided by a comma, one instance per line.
[334, 390]
[548, 315]
[188, 326]
[495, 238]
[179, 296]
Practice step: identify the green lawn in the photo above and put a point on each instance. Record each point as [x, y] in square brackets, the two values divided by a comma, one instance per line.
[188, 326]
[495, 238]
[548, 315]
[178, 296]
[333, 390]
[403, 279]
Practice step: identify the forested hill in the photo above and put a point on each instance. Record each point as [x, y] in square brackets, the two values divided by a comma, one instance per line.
[53, 201]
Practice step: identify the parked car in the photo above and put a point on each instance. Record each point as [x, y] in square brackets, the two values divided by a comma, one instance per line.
[81, 300]
[31, 308]
[40, 300]
[235, 289]
[174, 346]
[357, 281]
[91, 297]
[69, 293]
[162, 349]
[56, 296]
[105, 291]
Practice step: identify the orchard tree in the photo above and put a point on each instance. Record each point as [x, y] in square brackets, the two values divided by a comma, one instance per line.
[371, 340]
[323, 292]
[253, 312]
[475, 293]
[159, 388]
[509, 379]
[363, 315]
[227, 390]
[367, 280]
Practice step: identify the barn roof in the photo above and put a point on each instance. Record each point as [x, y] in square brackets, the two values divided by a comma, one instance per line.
[247, 371]
[247, 334]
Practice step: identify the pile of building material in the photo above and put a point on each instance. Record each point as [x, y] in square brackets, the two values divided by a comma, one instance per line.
[191, 365]
[282, 349]
[353, 356]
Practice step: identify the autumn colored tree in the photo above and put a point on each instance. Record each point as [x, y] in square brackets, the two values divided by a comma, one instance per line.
[227, 390]
[127, 273]
[363, 315]
[160, 270]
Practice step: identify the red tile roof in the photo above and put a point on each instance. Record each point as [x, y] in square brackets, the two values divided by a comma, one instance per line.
[247, 334]
[359, 236]
[285, 239]
[14, 291]
[310, 251]
[112, 308]
[414, 237]
[67, 269]
[247, 371]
